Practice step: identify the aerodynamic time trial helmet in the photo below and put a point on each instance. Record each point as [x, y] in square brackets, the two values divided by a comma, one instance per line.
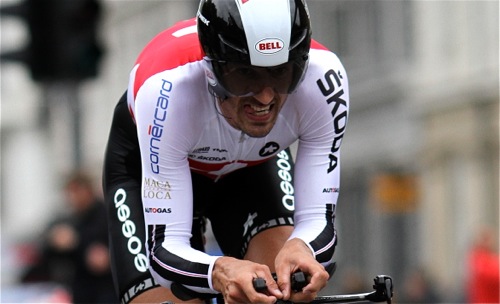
[252, 44]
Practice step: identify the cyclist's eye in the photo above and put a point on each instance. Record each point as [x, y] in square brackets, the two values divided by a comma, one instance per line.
[245, 72]
[279, 72]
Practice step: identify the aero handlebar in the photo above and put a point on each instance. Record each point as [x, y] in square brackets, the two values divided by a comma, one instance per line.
[383, 290]
[382, 285]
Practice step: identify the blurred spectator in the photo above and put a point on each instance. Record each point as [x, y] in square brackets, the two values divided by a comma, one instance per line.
[484, 263]
[75, 247]
[419, 288]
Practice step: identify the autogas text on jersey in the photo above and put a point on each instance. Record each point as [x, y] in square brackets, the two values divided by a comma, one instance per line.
[331, 190]
[158, 210]
[156, 128]
[333, 81]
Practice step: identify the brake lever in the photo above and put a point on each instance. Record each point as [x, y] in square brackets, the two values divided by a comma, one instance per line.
[299, 281]
[388, 290]
[299, 278]
[383, 289]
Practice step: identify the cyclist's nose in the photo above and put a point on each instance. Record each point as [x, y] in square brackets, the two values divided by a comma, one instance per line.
[265, 96]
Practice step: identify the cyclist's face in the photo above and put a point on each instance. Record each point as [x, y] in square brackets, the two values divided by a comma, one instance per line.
[254, 115]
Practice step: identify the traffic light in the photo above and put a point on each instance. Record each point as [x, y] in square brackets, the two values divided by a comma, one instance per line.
[63, 42]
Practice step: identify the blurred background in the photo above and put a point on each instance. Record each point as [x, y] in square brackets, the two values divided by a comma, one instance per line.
[420, 159]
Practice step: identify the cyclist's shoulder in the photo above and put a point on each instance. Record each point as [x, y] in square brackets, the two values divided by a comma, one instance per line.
[321, 56]
[170, 50]
[325, 75]
[172, 44]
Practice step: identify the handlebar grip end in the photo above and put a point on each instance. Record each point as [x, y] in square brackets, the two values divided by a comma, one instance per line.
[299, 281]
[259, 284]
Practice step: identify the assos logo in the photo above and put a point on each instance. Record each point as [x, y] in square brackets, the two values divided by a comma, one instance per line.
[331, 190]
[156, 129]
[269, 46]
[134, 244]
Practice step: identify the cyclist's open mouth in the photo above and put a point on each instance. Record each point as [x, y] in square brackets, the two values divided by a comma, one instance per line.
[259, 112]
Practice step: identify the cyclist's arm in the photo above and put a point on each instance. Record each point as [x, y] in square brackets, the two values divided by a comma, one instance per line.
[324, 116]
[317, 168]
[164, 129]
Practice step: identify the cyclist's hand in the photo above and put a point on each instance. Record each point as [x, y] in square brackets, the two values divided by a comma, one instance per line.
[234, 279]
[294, 256]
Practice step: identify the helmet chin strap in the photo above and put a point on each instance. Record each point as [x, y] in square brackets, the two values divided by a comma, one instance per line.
[218, 100]
[229, 120]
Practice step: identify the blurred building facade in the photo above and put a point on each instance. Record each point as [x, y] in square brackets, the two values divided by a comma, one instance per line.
[420, 160]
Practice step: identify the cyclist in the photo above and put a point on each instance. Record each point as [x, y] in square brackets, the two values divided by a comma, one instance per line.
[203, 132]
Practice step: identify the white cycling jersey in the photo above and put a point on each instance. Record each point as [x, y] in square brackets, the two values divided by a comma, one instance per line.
[181, 130]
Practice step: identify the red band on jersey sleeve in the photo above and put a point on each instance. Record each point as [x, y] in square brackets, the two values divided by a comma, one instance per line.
[171, 48]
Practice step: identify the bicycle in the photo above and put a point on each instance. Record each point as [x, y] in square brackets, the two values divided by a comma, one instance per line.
[383, 291]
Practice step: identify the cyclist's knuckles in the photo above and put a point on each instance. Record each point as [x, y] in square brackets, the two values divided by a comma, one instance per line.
[283, 285]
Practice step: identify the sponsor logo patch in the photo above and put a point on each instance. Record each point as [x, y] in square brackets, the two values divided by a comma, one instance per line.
[269, 46]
